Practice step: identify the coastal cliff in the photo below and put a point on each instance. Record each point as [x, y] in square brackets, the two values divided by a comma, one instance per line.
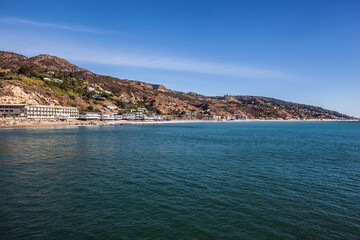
[47, 79]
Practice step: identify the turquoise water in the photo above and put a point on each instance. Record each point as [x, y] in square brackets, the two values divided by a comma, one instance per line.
[247, 180]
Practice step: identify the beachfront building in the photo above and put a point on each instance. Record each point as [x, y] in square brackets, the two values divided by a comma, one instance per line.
[12, 109]
[226, 117]
[134, 116]
[89, 116]
[128, 116]
[190, 113]
[107, 116]
[38, 111]
[215, 117]
[140, 116]
[155, 118]
[240, 117]
[143, 110]
[50, 112]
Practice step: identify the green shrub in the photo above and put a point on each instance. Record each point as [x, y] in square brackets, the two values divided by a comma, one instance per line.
[27, 82]
[28, 71]
[70, 93]
[120, 104]
[57, 90]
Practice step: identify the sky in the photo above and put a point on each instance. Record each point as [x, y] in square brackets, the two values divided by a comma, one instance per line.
[300, 51]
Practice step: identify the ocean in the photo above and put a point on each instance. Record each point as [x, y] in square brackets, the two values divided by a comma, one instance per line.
[226, 180]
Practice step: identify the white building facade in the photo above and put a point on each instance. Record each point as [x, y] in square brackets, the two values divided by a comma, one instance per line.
[50, 112]
[89, 116]
[107, 116]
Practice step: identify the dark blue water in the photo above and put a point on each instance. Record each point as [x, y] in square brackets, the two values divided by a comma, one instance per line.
[250, 180]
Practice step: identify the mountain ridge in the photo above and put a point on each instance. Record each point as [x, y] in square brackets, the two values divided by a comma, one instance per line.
[47, 79]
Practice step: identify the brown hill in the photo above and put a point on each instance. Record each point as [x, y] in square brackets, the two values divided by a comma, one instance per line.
[47, 79]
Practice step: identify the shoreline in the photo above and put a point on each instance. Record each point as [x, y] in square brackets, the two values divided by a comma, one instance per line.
[81, 123]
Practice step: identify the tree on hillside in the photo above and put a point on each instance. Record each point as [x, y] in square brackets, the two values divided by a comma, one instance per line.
[27, 71]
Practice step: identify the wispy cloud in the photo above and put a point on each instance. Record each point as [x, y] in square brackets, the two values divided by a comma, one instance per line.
[124, 56]
[132, 58]
[76, 28]
[158, 61]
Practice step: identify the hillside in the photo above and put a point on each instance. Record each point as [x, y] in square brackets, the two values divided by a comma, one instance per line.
[46, 79]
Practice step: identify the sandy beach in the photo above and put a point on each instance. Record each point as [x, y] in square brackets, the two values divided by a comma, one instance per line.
[40, 124]
[23, 123]
[57, 124]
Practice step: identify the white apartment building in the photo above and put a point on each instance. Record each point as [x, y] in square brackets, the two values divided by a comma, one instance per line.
[12, 109]
[134, 116]
[89, 116]
[50, 112]
[128, 116]
[107, 116]
[155, 118]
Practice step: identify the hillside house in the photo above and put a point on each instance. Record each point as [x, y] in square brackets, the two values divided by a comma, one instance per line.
[113, 108]
[91, 89]
[107, 92]
[97, 96]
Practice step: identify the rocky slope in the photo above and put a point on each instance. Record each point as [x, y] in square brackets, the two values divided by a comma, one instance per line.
[46, 79]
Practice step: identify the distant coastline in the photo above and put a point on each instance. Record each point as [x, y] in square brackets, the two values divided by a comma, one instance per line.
[47, 87]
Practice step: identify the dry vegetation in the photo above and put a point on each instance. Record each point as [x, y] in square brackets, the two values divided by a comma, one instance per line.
[46, 79]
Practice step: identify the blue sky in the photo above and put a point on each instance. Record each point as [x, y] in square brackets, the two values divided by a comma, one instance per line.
[299, 51]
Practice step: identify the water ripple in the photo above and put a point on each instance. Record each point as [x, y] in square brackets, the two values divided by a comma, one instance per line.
[182, 181]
